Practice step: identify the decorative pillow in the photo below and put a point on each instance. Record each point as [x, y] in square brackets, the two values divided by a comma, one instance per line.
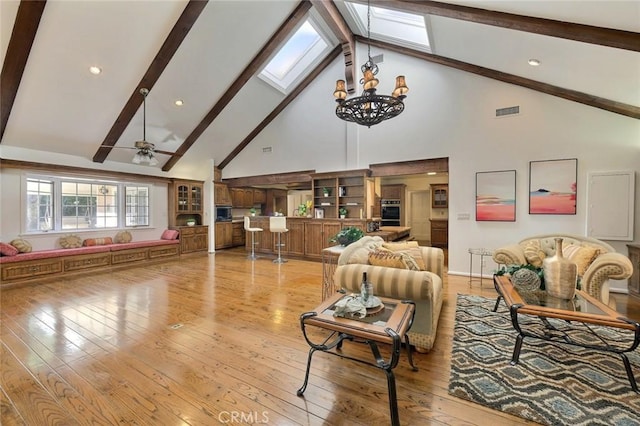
[123, 237]
[387, 258]
[70, 241]
[533, 253]
[403, 245]
[23, 246]
[581, 256]
[170, 234]
[97, 241]
[8, 250]
[415, 255]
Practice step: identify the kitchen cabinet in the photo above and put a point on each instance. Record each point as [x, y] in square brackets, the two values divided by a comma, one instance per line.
[634, 281]
[223, 235]
[295, 243]
[317, 234]
[392, 192]
[186, 201]
[440, 196]
[222, 196]
[244, 198]
[264, 239]
[439, 233]
[259, 196]
[237, 234]
[194, 238]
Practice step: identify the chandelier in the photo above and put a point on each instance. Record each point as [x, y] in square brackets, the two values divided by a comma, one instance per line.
[370, 108]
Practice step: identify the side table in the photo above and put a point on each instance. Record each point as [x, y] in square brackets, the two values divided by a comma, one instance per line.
[330, 257]
[482, 252]
[387, 327]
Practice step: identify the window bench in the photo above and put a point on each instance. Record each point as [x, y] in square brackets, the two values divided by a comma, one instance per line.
[45, 264]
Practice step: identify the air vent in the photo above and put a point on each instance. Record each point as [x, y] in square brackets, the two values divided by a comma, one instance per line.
[267, 149]
[514, 110]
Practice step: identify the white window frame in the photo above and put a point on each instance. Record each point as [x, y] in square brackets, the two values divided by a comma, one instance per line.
[56, 214]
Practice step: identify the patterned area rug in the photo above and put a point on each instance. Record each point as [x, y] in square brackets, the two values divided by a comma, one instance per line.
[553, 384]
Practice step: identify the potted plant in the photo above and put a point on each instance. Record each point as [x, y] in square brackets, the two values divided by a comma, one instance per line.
[252, 210]
[343, 212]
[326, 191]
[191, 222]
[347, 235]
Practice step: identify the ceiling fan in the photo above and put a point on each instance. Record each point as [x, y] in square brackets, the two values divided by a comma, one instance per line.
[145, 150]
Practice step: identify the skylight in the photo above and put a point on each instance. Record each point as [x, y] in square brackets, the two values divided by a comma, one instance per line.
[304, 49]
[402, 28]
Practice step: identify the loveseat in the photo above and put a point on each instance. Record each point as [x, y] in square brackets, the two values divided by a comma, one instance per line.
[424, 287]
[597, 261]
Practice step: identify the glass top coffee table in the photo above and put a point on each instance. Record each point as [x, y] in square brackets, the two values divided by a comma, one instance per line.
[387, 324]
[582, 321]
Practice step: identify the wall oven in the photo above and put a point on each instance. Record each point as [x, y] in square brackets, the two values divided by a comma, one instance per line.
[391, 212]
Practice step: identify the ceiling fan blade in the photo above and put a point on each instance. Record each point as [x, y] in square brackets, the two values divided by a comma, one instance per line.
[157, 151]
[118, 147]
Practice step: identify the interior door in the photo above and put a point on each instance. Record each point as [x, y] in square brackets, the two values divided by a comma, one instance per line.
[419, 215]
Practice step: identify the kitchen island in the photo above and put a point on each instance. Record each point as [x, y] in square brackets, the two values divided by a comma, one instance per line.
[393, 233]
[306, 239]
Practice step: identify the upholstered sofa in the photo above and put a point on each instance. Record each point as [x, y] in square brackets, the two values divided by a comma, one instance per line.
[424, 287]
[597, 262]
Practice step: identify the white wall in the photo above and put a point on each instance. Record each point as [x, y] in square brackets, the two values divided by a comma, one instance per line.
[450, 113]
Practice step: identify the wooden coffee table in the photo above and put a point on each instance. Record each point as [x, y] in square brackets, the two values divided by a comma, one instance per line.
[578, 316]
[388, 326]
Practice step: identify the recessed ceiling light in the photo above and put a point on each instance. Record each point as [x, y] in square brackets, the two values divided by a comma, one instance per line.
[431, 173]
[179, 102]
[95, 70]
[534, 62]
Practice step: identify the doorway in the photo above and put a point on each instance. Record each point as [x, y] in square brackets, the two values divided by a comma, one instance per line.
[419, 216]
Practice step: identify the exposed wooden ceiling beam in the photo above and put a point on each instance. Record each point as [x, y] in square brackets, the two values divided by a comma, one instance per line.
[22, 36]
[282, 105]
[620, 39]
[286, 178]
[178, 33]
[572, 95]
[261, 57]
[334, 19]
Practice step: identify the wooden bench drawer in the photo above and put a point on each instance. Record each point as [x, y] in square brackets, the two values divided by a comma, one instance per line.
[163, 251]
[76, 263]
[126, 256]
[31, 269]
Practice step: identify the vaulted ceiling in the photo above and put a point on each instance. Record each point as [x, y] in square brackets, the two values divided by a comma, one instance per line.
[208, 54]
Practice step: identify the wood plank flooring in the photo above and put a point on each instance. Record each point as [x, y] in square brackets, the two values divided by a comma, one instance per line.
[205, 340]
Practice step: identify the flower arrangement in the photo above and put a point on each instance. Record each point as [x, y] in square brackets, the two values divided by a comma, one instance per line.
[347, 235]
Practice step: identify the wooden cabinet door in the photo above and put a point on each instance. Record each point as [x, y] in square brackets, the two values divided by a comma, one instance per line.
[313, 239]
[238, 235]
[259, 196]
[222, 195]
[439, 233]
[392, 192]
[296, 237]
[439, 196]
[237, 197]
[224, 235]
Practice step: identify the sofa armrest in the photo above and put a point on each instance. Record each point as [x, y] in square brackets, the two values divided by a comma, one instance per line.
[606, 266]
[510, 255]
[433, 258]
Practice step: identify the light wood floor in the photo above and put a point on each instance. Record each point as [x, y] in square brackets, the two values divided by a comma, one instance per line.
[102, 350]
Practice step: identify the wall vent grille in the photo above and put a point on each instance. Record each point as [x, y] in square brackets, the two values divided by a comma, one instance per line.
[514, 110]
[267, 149]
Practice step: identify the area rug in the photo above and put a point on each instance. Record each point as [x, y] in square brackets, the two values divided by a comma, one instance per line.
[553, 384]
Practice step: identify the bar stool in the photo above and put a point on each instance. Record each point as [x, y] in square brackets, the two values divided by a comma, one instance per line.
[278, 224]
[248, 228]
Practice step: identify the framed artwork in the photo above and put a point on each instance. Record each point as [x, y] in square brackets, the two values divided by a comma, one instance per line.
[319, 213]
[553, 186]
[496, 196]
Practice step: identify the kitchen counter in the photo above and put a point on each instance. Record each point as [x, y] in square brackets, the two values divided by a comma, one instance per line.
[392, 233]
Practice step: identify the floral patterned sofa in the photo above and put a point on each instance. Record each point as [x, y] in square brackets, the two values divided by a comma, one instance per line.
[423, 286]
[597, 261]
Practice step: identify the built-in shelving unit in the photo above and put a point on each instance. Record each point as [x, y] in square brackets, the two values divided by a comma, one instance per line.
[341, 190]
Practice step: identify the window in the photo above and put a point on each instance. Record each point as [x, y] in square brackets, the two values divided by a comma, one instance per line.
[62, 204]
[402, 28]
[137, 205]
[303, 50]
[39, 205]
